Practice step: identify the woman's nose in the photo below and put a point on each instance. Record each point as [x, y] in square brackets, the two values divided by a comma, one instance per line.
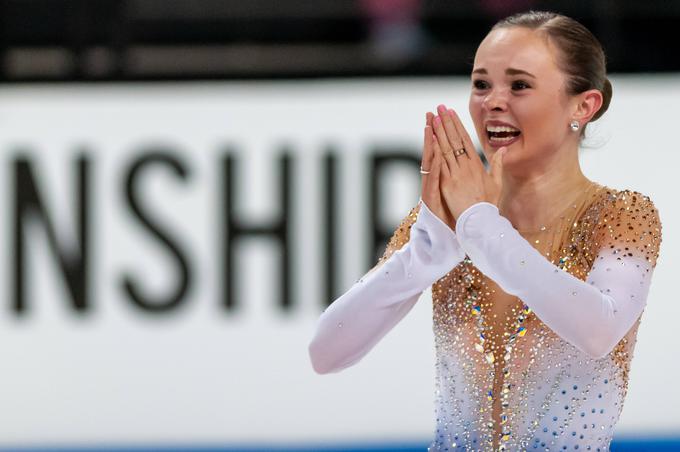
[495, 100]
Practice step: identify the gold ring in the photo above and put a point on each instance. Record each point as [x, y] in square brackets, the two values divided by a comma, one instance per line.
[459, 152]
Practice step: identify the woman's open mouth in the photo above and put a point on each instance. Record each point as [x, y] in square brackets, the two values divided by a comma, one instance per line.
[502, 135]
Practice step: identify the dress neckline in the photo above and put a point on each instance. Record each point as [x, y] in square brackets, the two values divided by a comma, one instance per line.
[573, 205]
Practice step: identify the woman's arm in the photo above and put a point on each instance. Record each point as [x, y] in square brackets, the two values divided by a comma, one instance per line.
[595, 314]
[354, 323]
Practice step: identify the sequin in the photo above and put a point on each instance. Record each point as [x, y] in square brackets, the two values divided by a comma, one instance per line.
[488, 342]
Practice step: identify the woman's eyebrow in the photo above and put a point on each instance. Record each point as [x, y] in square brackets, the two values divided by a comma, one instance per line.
[513, 71]
[508, 71]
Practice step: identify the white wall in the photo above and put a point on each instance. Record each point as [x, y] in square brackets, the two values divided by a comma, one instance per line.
[201, 374]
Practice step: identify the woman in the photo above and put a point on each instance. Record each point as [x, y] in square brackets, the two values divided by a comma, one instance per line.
[539, 276]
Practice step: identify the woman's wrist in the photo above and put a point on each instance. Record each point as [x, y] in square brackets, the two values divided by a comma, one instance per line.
[432, 236]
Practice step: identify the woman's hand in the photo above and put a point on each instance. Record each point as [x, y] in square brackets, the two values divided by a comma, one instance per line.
[431, 164]
[463, 181]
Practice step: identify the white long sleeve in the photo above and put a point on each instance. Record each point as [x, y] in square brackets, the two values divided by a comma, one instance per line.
[593, 315]
[354, 323]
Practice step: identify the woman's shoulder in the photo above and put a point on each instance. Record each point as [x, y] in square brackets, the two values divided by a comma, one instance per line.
[627, 216]
[623, 200]
[401, 234]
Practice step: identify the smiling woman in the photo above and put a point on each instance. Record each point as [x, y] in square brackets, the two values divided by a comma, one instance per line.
[539, 275]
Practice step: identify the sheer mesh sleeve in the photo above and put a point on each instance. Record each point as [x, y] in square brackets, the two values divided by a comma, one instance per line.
[629, 227]
[400, 236]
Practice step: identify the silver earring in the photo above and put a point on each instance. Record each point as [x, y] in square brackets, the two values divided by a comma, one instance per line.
[574, 125]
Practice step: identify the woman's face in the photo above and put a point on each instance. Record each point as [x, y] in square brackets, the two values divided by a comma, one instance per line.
[518, 96]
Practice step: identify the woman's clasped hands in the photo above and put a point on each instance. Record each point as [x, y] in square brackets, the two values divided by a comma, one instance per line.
[454, 177]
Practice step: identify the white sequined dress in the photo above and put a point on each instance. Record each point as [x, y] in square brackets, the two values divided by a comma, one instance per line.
[534, 330]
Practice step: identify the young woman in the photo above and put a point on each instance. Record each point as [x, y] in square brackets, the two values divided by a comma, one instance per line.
[539, 275]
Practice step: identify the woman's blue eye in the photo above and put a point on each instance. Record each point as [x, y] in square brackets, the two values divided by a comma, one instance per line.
[480, 84]
[519, 85]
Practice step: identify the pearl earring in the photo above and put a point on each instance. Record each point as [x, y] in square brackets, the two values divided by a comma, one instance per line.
[574, 125]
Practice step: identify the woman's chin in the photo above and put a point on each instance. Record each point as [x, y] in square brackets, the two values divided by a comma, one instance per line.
[490, 151]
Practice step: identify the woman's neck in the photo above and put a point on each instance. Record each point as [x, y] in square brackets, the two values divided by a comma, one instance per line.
[530, 202]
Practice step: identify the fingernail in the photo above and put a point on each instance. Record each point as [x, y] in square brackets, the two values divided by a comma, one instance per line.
[441, 107]
[451, 111]
[437, 120]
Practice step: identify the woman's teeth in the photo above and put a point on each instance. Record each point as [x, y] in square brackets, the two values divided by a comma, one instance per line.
[502, 139]
[500, 134]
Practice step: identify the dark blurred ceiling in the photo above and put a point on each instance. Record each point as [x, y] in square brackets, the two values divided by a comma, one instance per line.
[120, 40]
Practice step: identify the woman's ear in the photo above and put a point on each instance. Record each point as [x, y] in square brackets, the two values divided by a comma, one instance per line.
[589, 102]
